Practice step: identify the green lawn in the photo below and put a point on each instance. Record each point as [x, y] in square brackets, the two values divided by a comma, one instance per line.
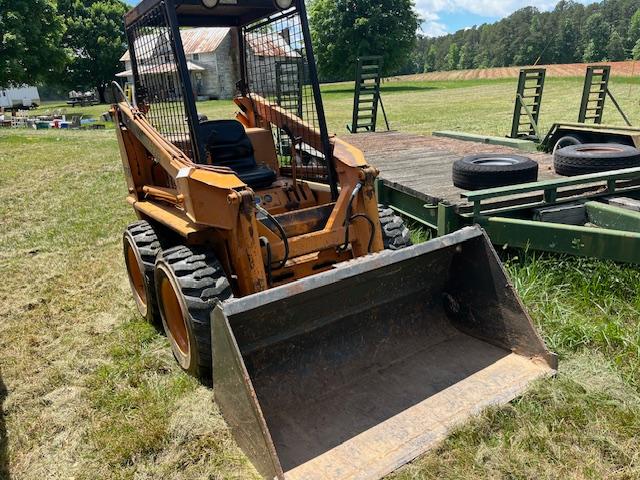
[92, 392]
[477, 106]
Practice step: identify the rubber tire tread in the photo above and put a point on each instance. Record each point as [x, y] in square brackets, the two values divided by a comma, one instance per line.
[395, 233]
[203, 284]
[147, 242]
[470, 176]
[570, 162]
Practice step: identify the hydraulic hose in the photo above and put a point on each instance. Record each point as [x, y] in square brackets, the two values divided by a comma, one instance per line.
[349, 218]
[283, 236]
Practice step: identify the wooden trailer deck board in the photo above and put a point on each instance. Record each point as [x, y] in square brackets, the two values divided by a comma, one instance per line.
[423, 163]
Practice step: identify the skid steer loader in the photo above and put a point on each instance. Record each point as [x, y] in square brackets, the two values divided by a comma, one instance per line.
[336, 349]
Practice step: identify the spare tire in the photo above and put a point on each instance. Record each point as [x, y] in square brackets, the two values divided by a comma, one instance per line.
[567, 141]
[595, 158]
[488, 170]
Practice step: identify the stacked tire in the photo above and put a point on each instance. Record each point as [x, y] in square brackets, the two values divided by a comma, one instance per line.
[490, 170]
[583, 159]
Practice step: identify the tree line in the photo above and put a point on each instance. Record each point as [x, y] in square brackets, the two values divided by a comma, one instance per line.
[66, 44]
[72, 44]
[570, 33]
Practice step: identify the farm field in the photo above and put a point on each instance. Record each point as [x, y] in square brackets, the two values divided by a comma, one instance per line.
[620, 69]
[421, 106]
[88, 391]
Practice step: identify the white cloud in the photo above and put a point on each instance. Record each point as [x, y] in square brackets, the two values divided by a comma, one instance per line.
[431, 25]
[485, 8]
[430, 10]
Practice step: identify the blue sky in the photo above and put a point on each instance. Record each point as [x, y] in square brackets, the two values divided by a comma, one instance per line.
[447, 16]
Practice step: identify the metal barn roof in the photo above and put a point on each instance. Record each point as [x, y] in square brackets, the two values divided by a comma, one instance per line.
[197, 40]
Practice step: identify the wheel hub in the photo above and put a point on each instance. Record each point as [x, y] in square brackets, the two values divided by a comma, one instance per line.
[136, 277]
[174, 317]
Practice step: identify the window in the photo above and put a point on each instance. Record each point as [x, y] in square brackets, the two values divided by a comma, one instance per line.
[196, 56]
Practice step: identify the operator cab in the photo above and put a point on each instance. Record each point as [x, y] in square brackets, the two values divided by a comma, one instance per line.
[282, 152]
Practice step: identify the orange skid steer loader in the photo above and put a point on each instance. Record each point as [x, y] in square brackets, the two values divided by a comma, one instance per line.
[336, 349]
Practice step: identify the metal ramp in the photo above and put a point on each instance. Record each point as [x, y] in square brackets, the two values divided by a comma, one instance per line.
[289, 82]
[528, 102]
[594, 95]
[367, 95]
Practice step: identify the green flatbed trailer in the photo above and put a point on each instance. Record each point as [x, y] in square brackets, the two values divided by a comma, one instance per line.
[596, 215]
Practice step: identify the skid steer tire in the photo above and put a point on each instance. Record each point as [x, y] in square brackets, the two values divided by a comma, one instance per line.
[395, 233]
[141, 246]
[489, 170]
[189, 284]
[595, 158]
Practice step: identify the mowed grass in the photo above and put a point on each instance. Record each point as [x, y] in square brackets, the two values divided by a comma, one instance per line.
[477, 106]
[91, 392]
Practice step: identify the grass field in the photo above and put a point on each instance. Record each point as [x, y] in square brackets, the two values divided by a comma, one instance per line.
[478, 106]
[88, 391]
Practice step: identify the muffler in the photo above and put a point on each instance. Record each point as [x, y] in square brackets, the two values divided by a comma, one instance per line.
[351, 373]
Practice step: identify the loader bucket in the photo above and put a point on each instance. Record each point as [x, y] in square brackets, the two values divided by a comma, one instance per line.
[351, 373]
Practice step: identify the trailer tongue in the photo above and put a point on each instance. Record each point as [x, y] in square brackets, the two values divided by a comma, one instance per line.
[352, 373]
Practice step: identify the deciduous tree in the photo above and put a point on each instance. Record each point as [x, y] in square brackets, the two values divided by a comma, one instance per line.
[344, 30]
[30, 42]
[95, 34]
[597, 32]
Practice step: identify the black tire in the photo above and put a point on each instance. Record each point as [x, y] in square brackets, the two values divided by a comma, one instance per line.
[141, 246]
[488, 170]
[595, 158]
[395, 233]
[568, 141]
[189, 284]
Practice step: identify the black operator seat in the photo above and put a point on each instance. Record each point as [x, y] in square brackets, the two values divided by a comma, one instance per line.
[229, 146]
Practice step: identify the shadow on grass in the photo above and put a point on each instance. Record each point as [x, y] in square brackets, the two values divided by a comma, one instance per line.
[4, 441]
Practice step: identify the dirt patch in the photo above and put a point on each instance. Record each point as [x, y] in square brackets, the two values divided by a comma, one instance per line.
[618, 69]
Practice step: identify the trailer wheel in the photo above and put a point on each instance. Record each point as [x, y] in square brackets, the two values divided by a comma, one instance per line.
[189, 283]
[595, 158]
[567, 141]
[395, 233]
[488, 170]
[141, 246]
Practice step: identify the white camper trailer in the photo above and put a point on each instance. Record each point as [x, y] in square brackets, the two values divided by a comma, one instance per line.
[19, 97]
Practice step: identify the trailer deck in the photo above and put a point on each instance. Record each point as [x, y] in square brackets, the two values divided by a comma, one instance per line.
[590, 215]
[423, 163]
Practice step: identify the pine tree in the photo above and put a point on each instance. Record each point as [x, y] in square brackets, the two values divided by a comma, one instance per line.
[615, 48]
[590, 53]
[636, 50]
[634, 29]
[453, 57]
[430, 64]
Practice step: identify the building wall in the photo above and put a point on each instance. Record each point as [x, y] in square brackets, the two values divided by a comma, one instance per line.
[220, 76]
